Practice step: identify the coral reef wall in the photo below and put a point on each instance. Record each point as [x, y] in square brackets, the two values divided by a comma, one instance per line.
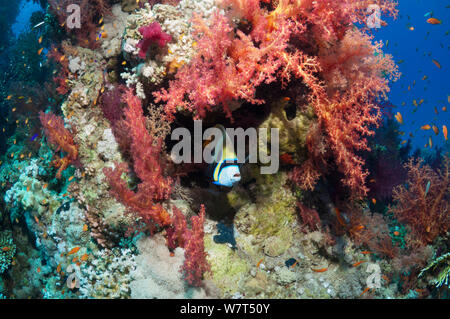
[94, 205]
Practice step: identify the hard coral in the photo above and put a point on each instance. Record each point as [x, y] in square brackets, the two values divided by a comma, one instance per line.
[152, 34]
[148, 166]
[61, 138]
[424, 203]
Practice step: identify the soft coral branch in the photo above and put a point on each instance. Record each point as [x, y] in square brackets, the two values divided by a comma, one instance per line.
[424, 203]
[61, 138]
[195, 263]
[148, 166]
[356, 73]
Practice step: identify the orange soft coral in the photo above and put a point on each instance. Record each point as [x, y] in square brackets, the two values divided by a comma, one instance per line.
[356, 73]
[148, 166]
[61, 138]
[424, 203]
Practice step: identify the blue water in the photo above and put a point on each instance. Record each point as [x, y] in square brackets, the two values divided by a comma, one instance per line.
[27, 7]
[417, 48]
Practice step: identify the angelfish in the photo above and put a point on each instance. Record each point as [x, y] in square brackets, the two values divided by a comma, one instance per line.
[224, 171]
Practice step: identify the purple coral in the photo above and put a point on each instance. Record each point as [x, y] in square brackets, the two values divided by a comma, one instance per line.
[152, 34]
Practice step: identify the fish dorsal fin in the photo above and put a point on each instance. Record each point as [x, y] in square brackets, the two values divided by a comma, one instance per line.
[227, 148]
[218, 151]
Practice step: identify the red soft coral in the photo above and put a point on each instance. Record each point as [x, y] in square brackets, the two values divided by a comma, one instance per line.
[148, 166]
[61, 138]
[310, 218]
[195, 263]
[424, 203]
[152, 34]
[230, 65]
[62, 78]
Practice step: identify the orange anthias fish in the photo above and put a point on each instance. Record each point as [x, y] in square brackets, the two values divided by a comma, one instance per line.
[73, 251]
[359, 263]
[364, 291]
[287, 158]
[435, 129]
[426, 127]
[399, 117]
[445, 132]
[338, 216]
[434, 21]
[259, 262]
[319, 270]
[437, 63]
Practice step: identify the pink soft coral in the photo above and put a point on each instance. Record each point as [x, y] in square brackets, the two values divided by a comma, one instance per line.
[355, 73]
[148, 166]
[152, 34]
[195, 263]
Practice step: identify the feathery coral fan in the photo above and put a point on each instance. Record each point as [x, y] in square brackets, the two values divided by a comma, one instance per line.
[148, 166]
[424, 203]
[195, 263]
[61, 138]
[152, 34]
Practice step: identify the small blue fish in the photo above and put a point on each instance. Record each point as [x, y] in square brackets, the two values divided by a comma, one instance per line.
[427, 188]
[34, 137]
[428, 14]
